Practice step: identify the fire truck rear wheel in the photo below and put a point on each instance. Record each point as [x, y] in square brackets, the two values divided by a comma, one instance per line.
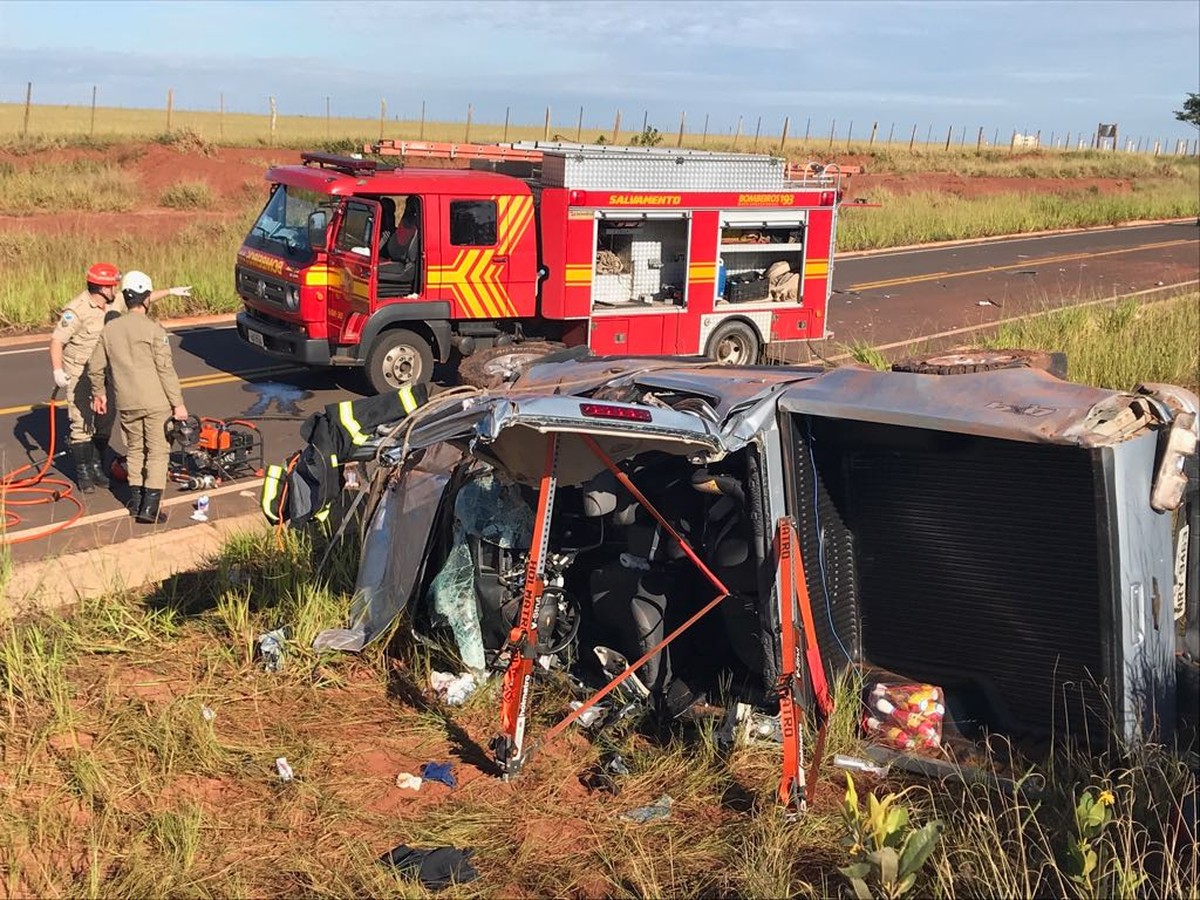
[733, 344]
[398, 358]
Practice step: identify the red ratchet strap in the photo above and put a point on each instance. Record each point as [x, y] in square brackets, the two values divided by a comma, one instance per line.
[513, 680]
[793, 596]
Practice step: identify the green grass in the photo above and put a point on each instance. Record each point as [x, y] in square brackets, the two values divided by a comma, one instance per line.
[188, 195]
[44, 272]
[1120, 346]
[81, 185]
[925, 217]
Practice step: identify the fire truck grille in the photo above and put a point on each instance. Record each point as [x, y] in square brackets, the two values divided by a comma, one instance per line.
[253, 285]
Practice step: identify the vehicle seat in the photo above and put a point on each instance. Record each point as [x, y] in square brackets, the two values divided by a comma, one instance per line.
[399, 265]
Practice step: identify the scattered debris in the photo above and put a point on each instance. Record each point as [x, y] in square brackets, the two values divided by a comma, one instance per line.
[285, 771]
[659, 809]
[1027, 272]
[1030, 786]
[855, 764]
[442, 772]
[201, 513]
[988, 302]
[453, 689]
[1158, 284]
[270, 649]
[207, 713]
[905, 716]
[1022, 256]
[436, 868]
[590, 717]
[407, 781]
[602, 776]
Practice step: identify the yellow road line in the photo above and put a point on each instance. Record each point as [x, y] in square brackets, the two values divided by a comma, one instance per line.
[1024, 264]
[193, 381]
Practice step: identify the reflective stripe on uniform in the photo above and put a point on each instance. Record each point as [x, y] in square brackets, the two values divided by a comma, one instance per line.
[407, 399]
[270, 491]
[333, 462]
[346, 417]
[323, 514]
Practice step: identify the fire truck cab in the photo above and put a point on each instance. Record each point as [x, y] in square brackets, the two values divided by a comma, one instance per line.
[627, 250]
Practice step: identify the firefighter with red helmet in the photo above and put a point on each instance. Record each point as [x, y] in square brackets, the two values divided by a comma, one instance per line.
[71, 345]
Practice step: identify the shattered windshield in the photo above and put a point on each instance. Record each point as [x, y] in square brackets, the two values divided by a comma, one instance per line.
[287, 222]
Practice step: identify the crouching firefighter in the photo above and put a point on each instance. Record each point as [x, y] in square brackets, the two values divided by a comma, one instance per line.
[305, 487]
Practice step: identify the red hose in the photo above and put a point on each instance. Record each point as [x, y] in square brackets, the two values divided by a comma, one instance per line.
[35, 490]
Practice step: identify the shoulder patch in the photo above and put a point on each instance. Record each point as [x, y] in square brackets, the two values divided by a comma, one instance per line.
[67, 317]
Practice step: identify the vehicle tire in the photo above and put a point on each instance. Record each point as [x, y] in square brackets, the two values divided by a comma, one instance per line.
[734, 344]
[965, 362]
[399, 357]
[494, 367]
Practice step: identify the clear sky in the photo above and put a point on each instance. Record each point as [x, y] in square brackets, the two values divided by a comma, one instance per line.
[1017, 64]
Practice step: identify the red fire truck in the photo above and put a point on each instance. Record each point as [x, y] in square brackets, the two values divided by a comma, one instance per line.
[629, 250]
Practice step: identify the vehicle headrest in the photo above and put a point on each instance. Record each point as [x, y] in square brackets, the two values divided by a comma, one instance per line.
[600, 495]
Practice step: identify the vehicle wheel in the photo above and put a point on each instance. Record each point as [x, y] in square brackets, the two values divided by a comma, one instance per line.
[733, 344]
[398, 358]
[494, 367]
[967, 361]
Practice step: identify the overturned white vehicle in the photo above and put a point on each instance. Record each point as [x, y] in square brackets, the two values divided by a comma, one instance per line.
[743, 535]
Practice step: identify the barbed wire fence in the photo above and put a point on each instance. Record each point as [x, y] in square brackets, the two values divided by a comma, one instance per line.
[267, 128]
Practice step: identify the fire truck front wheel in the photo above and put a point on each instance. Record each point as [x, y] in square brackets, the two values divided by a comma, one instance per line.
[399, 357]
[734, 344]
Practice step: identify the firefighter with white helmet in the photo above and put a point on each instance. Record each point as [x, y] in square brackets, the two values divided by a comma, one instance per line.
[134, 356]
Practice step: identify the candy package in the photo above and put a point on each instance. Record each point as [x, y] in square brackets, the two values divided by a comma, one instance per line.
[905, 716]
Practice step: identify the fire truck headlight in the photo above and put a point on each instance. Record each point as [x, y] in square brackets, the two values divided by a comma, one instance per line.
[291, 298]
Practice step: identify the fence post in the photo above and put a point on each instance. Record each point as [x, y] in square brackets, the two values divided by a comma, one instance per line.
[328, 125]
[979, 141]
[807, 130]
[1038, 138]
[1067, 141]
[383, 116]
[28, 99]
[832, 129]
[737, 134]
[996, 138]
[912, 139]
[849, 134]
[704, 137]
[757, 132]
[221, 119]
[871, 142]
[929, 137]
[92, 126]
[682, 118]
[616, 127]
[421, 132]
[170, 107]
[949, 136]
[645, 120]
[1012, 145]
[272, 99]
[467, 135]
[579, 128]
[507, 113]
[891, 134]
[783, 140]
[546, 129]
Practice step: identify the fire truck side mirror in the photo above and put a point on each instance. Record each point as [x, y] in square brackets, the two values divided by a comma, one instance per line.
[318, 221]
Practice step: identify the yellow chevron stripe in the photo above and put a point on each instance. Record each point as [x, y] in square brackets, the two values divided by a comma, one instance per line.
[702, 270]
[816, 268]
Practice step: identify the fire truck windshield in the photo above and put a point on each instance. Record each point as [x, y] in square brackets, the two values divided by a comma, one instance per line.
[294, 221]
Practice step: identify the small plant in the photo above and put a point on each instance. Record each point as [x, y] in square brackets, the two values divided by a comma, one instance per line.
[650, 137]
[1094, 862]
[187, 195]
[886, 853]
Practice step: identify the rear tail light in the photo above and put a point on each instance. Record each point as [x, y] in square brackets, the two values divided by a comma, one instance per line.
[608, 411]
[828, 198]
[576, 198]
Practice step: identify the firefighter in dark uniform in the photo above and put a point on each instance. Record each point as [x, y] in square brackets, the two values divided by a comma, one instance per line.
[71, 346]
[134, 354]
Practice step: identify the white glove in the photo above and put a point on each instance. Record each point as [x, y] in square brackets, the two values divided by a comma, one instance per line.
[60, 378]
[180, 291]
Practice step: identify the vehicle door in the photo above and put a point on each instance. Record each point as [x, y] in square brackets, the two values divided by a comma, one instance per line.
[353, 258]
[479, 237]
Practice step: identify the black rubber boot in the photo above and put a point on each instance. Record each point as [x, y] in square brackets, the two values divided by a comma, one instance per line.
[148, 511]
[134, 503]
[81, 454]
[99, 455]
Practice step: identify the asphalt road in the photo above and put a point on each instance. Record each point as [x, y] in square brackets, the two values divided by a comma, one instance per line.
[887, 298]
